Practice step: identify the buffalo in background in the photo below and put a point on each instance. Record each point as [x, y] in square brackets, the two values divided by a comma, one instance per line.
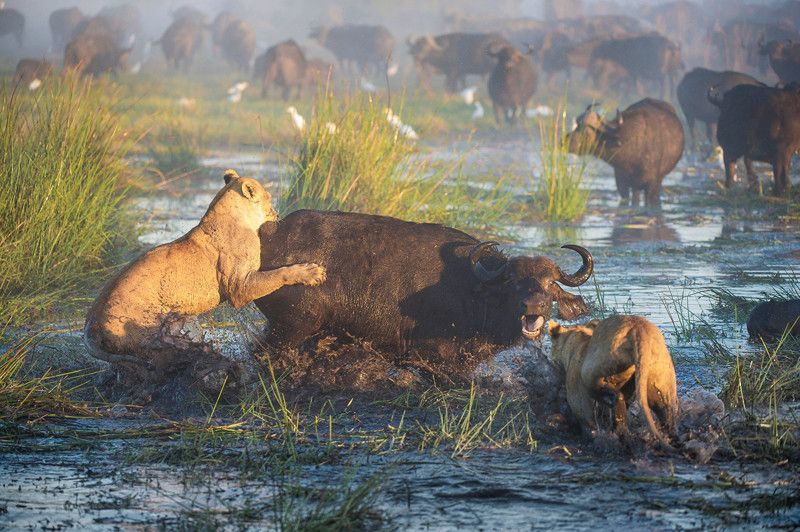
[12, 22]
[692, 94]
[511, 84]
[643, 144]
[456, 55]
[411, 287]
[283, 65]
[357, 47]
[759, 123]
[784, 58]
[63, 25]
[180, 42]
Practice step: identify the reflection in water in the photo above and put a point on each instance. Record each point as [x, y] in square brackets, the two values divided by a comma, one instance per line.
[639, 228]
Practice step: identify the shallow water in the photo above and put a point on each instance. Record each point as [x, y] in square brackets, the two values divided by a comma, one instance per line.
[660, 268]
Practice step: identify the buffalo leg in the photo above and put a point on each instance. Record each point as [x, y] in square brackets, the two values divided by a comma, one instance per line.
[730, 169]
[497, 114]
[780, 168]
[652, 196]
[711, 131]
[690, 125]
[752, 177]
[622, 187]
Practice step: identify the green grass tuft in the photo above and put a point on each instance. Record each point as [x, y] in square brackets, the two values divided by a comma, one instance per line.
[561, 193]
[368, 166]
[61, 193]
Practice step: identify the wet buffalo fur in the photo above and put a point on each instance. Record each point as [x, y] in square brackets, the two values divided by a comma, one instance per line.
[770, 319]
[411, 289]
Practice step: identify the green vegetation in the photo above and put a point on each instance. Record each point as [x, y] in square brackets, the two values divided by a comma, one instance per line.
[561, 193]
[61, 195]
[174, 147]
[366, 165]
[39, 398]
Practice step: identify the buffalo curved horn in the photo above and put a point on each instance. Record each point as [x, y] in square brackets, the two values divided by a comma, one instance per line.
[585, 271]
[475, 255]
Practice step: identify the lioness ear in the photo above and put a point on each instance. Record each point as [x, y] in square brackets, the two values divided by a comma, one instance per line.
[248, 190]
[230, 175]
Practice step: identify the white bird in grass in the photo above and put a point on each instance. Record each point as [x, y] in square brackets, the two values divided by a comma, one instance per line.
[236, 91]
[478, 112]
[330, 127]
[187, 104]
[468, 95]
[35, 84]
[717, 156]
[392, 70]
[404, 129]
[136, 68]
[539, 110]
[368, 86]
[297, 119]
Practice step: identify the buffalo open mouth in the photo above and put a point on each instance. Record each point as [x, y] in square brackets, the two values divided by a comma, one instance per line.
[532, 326]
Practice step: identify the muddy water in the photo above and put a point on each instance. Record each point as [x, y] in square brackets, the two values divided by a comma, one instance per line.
[659, 266]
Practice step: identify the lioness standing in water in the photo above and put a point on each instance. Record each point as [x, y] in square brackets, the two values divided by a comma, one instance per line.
[601, 360]
[142, 321]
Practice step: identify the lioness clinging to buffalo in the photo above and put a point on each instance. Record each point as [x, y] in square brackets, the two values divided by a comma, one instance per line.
[141, 321]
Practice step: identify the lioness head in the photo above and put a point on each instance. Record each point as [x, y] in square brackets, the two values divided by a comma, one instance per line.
[244, 199]
[569, 341]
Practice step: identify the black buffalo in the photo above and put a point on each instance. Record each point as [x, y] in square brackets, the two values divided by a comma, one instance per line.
[356, 45]
[643, 144]
[12, 22]
[95, 54]
[511, 84]
[649, 57]
[283, 65]
[784, 58]
[456, 55]
[693, 96]
[63, 24]
[771, 319]
[180, 42]
[762, 124]
[238, 44]
[410, 287]
[737, 42]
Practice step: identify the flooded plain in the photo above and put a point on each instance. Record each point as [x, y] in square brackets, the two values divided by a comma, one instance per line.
[668, 267]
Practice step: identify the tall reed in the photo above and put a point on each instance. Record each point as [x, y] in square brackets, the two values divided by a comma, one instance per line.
[353, 159]
[561, 194]
[61, 151]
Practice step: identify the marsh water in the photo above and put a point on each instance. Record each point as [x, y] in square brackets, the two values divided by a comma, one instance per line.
[663, 267]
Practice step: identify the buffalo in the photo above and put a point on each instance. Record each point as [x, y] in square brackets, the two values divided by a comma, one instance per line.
[553, 54]
[238, 44]
[125, 21]
[692, 94]
[219, 25]
[283, 65]
[511, 83]
[95, 54]
[63, 25]
[318, 74]
[771, 319]
[784, 58]
[643, 144]
[29, 70]
[411, 287]
[758, 123]
[737, 42]
[650, 57]
[12, 22]
[189, 12]
[356, 45]
[180, 42]
[456, 55]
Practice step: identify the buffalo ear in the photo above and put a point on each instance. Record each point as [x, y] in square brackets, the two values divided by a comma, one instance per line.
[570, 306]
[554, 329]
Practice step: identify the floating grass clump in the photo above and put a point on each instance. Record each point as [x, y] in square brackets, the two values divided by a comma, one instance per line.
[38, 398]
[61, 192]
[561, 193]
[353, 159]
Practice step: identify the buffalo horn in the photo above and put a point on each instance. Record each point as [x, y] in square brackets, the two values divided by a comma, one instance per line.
[585, 271]
[475, 255]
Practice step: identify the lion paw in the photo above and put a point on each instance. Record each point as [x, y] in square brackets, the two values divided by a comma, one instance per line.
[309, 274]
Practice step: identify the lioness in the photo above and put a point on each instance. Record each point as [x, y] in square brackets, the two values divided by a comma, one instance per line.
[600, 359]
[142, 320]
